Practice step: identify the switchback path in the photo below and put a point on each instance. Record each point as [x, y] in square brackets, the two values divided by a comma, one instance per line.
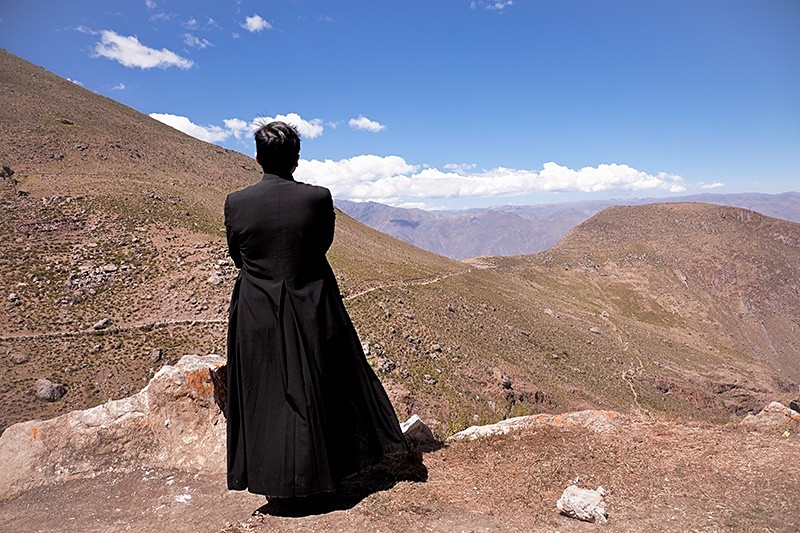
[198, 321]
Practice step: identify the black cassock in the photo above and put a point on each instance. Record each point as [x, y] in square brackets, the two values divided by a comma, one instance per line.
[304, 407]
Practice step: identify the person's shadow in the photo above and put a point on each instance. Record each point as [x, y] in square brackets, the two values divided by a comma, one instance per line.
[383, 476]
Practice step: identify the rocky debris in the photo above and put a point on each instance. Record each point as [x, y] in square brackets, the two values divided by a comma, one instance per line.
[156, 355]
[428, 379]
[102, 324]
[6, 172]
[773, 416]
[598, 421]
[418, 434]
[19, 358]
[214, 279]
[794, 405]
[123, 434]
[49, 391]
[387, 366]
[584, 504]
[502, 379]
[66, 121]
[596, 331]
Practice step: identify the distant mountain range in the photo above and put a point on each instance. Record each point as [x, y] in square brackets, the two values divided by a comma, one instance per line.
[516, 230]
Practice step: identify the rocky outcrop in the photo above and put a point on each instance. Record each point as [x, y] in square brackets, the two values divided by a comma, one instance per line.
[173, 422]
[598, 421]
[774, 416]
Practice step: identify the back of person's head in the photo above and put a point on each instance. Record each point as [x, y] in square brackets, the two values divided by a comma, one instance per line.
[277, 147]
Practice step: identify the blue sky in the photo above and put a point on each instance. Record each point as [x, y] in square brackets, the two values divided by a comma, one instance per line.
[456, 103]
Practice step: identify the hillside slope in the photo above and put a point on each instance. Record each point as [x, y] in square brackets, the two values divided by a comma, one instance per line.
[112, 215]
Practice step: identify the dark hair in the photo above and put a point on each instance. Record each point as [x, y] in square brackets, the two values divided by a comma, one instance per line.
[277, 147]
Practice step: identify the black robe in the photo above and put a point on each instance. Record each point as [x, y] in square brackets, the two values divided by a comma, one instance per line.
[305, 409]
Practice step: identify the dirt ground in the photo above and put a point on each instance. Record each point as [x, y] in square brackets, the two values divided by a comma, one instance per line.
[660, 475]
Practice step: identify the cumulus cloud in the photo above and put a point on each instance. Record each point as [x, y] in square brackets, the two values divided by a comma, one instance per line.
[129, 52]
[204, 133]
[76, 82]
[255, 24]
[118, 87]
[363, 123]
[715, 185]
[197, 42]
[393, 181]
[150, 4]
[238, 127]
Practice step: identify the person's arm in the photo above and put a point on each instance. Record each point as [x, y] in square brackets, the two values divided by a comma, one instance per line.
[233, 243]
[328, 222]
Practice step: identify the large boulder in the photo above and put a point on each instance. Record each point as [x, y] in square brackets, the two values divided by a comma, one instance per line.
[173, 422]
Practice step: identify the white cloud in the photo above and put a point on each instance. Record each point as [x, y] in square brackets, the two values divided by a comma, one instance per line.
[204, 133]
[460, 167]
[393, 181]
[363, 123]
[255, 24]
[492, 5]
[118, 87]
[310, 129]
[76, 82]
[190, 24]
[238, 127]
[150, 4]
[129, 52]
[715, 185]
[197, 42]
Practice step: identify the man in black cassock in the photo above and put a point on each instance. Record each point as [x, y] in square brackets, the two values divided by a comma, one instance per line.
[305, 410]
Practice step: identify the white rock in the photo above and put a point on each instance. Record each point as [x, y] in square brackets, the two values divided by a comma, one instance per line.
[102, 324]
[418, 434]
[598, 421]
[584, 504]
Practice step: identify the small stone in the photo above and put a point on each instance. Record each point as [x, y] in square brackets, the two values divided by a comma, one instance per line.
[548, 312]
[19, 358]
[436, 347]
[102, 324]
[430, 380]
[584, 504]
[596, 331]
[13, 297]
[387, 366]
[111, 267]
[66, 121]
[418, 434]
[214, 279]
[49, 391]
[156, 355]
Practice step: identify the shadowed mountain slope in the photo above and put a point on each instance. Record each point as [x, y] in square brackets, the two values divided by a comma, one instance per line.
[112, 215]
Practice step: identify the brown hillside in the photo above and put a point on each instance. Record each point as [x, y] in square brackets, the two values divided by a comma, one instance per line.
[120, 218]
[703, 294]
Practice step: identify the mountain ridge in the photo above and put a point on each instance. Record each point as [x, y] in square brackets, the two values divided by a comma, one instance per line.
[525, 229]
